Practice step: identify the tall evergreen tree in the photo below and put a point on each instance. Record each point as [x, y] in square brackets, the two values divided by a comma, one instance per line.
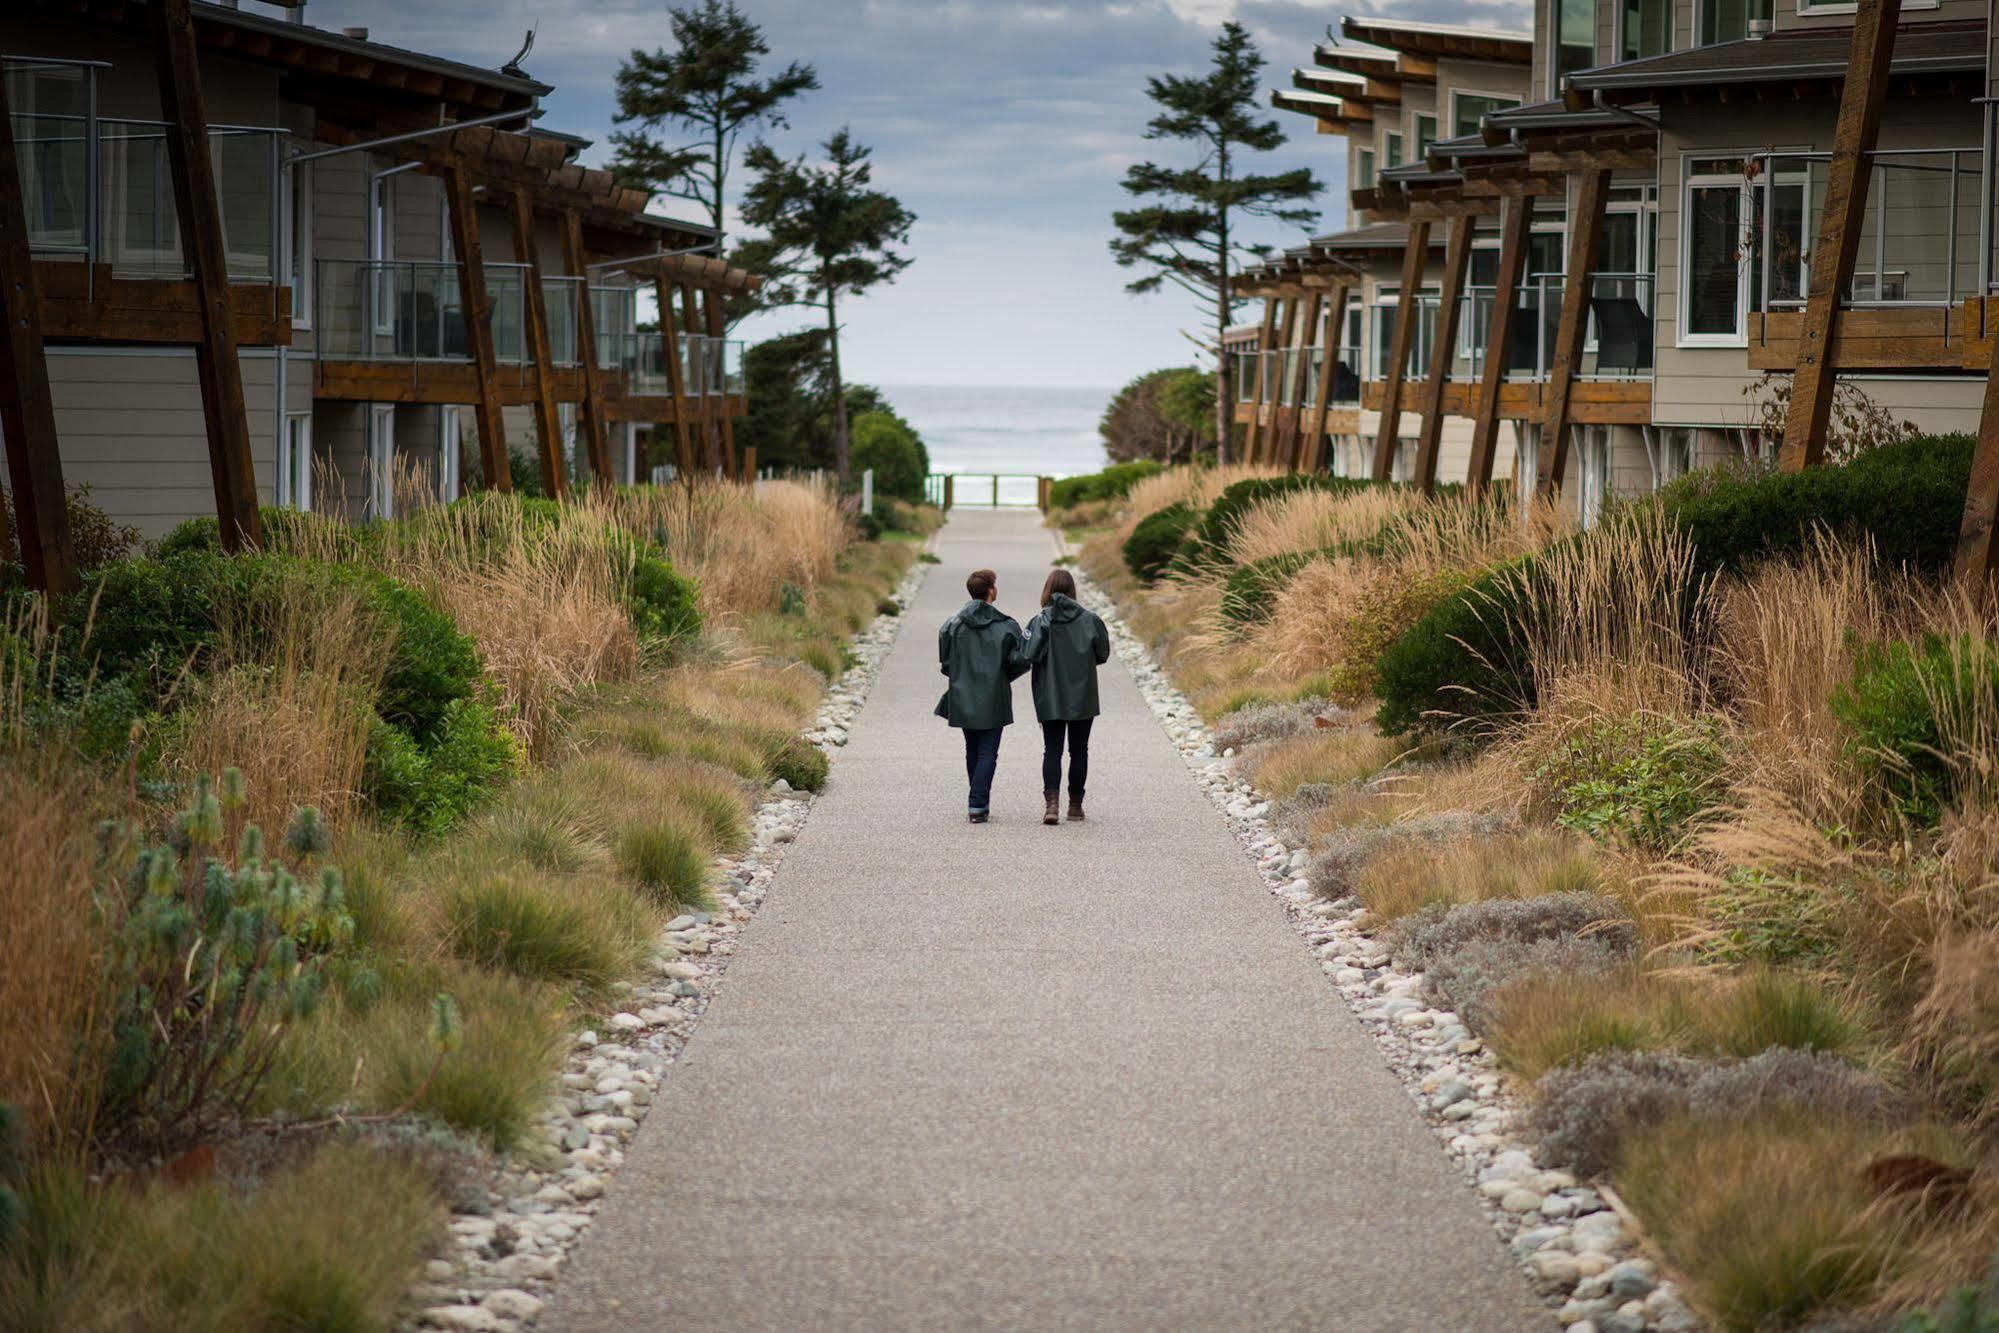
[827, 234]
[1188, 230]
[706, 91]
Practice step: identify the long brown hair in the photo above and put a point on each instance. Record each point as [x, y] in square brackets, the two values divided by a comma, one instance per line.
[1059, 580]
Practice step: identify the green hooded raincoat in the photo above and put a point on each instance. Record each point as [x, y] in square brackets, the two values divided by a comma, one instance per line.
[1066, 644]
[981, 649]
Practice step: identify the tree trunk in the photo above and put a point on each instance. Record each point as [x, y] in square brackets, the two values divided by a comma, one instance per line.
[839, 391]
[715, 209]
[1224, 416]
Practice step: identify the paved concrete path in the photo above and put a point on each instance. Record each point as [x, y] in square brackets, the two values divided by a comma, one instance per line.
[1028, 1077]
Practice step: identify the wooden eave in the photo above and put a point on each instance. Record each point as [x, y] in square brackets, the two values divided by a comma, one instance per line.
[1428, 44]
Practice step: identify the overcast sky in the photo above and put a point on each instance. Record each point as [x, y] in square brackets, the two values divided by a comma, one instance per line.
[1004, 125]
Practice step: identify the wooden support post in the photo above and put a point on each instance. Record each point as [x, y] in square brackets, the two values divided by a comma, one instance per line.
[1457, 258]
[1255, 431]
[1978, 538]
[1860, 99]
[750, 464]
[1312, 451]
[1515, 219]
[711, 309]
[676, 380]
[547, 420]
[1408, 311]
[478, 307]
[948, 479]
[230, 462]
[27, 411]
[690, 313]
[596, 440]
[1301, 341]
[1585, 245]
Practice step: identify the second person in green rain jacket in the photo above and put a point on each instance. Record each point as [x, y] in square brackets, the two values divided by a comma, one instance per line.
[1066, 643]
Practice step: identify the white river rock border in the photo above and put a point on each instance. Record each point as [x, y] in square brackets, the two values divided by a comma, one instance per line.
[504, 1258]
[1580, 1255]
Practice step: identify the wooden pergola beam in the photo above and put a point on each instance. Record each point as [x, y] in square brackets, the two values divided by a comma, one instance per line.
[1978, 537]
[711, 309]
[1407, 312]
[1515, 224]
[463, 217]
[1302, 338]
[597, 445]
[547, 419]
[1585, 246]
[1255, 430]
[220, 374]
[1429, 439]
[1312, 451]
[1840, 225]
[27, 409]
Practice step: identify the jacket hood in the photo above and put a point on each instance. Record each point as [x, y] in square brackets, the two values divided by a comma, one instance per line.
[1062, 608]
[982, 613]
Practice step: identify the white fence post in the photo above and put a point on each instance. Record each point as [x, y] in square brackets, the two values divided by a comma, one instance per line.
[868, 491]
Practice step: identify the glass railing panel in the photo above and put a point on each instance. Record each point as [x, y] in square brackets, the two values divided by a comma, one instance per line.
[733, 379]
[648, 368]
[506, 295]
[559, 297]
[388, 311]
[139, 225]
[1619, 341]
[51, 121]
[1919, 231]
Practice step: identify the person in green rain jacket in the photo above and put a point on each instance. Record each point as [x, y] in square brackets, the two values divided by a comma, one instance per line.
[981, 649]
[1066, 643]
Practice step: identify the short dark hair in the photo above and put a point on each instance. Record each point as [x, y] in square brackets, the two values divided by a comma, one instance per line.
[980, 583]
[1059, 580]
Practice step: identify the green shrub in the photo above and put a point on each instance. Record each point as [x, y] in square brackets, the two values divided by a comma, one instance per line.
[663, 602]
[1641, 781]
[576, 929]
[884, 442]
[1218, 524]
[431, 788]
[802, 764]
[1769, 1008]
[1464, 659]
[285, 530]
[1901, 703]
[96, 539]
[1113, 483]
[1252, 589]
[1156, 541]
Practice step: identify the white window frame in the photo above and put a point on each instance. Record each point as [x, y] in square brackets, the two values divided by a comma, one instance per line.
[381, 470]
[1593, 459]
[1807, 9]
[1689, 182]
[294, 473]
[1508, 101]
[298, 206]
[1364, 166]
[1416, 133]
[382, 247]
[450, 446]
[1400, 154]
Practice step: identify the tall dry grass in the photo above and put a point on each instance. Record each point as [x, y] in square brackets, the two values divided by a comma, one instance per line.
[1195, 487]
[743, 545]
[1313, 520]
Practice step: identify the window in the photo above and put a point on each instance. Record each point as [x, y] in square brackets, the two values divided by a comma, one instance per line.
[1426, 133]
[1468, 108]
[1644, 28]
[450, 452]
[1715, 281]
[1728, 20]
[49, 104]
[1392, 146]
[1594, 483]
[298, 245]
[1572, 41]
[382, 249]
[1364, 170]
[1672, 452]
[381, 478]
[295, 462]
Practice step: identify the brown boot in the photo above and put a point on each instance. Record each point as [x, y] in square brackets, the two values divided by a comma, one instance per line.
[1075, 809]
[1050, 817]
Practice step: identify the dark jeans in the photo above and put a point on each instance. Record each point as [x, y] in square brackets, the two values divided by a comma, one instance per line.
[1079, 755]
[981, 757]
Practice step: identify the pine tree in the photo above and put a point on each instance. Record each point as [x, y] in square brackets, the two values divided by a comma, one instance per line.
[1188, 231]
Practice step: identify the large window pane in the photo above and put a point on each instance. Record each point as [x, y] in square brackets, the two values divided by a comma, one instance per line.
[1714, 232]
[1467, 108]
[1426, 134]
[1365, 170]
[1647, 29]
[1728, 20]
[1575, 39]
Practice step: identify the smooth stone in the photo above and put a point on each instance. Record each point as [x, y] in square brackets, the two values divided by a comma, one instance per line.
[471, 1318]
[1555, 1268]
[1520, 1201]
[514, 1304]
[1632, 1280]
[627, 1022]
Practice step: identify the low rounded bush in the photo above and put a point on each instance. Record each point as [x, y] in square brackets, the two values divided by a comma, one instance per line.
[664, 604]
[666, 860]
[1642, 781]
[1113, 483]
[1463, 662]
[1156, 540]
[285, 531]
[884, 442]
[1236, 500]
[571, 928]
[1903, 704]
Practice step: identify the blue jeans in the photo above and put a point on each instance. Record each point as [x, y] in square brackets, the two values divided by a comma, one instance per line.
[981, 758]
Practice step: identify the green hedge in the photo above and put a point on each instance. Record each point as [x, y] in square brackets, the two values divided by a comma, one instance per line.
[1156, 540]
[1464, 660]
[1113, 483]
[1237, 500]
[1893, 701]
[1252, 589]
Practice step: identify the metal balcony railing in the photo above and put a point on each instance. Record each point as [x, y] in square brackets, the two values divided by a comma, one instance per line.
[1923, 240]
[1381, 336]
[413, 310]
[1617, 343]
[100, 188]
[558, 297]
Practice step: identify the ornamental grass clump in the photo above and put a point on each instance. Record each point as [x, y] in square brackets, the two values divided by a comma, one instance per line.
[1413, 877]
[221, 945]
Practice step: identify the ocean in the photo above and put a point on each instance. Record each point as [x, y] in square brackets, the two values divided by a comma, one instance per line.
[1036, 431]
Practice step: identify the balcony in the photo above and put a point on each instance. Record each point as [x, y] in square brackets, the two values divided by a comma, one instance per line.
[1617, 344]
[98, 193]
[1921, 262]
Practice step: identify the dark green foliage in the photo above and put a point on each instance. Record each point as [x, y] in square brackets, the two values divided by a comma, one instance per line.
[888, 444]
[1464, 661]
[220, 947]
[1642, 781]
[662, 602]
[95, 537]
[285, 530]
[1156, 540]
[1901, 701]
[1252, 589]
[431, 787]
[800, 763]
[1965, 1310]
[1164, 415]
[888, 606]
[1235, 501]
[1113, 483]
[870, 526]
[666, 861]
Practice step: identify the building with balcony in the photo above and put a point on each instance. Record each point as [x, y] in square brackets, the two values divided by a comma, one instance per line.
[361, 194]
[1691, 143]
